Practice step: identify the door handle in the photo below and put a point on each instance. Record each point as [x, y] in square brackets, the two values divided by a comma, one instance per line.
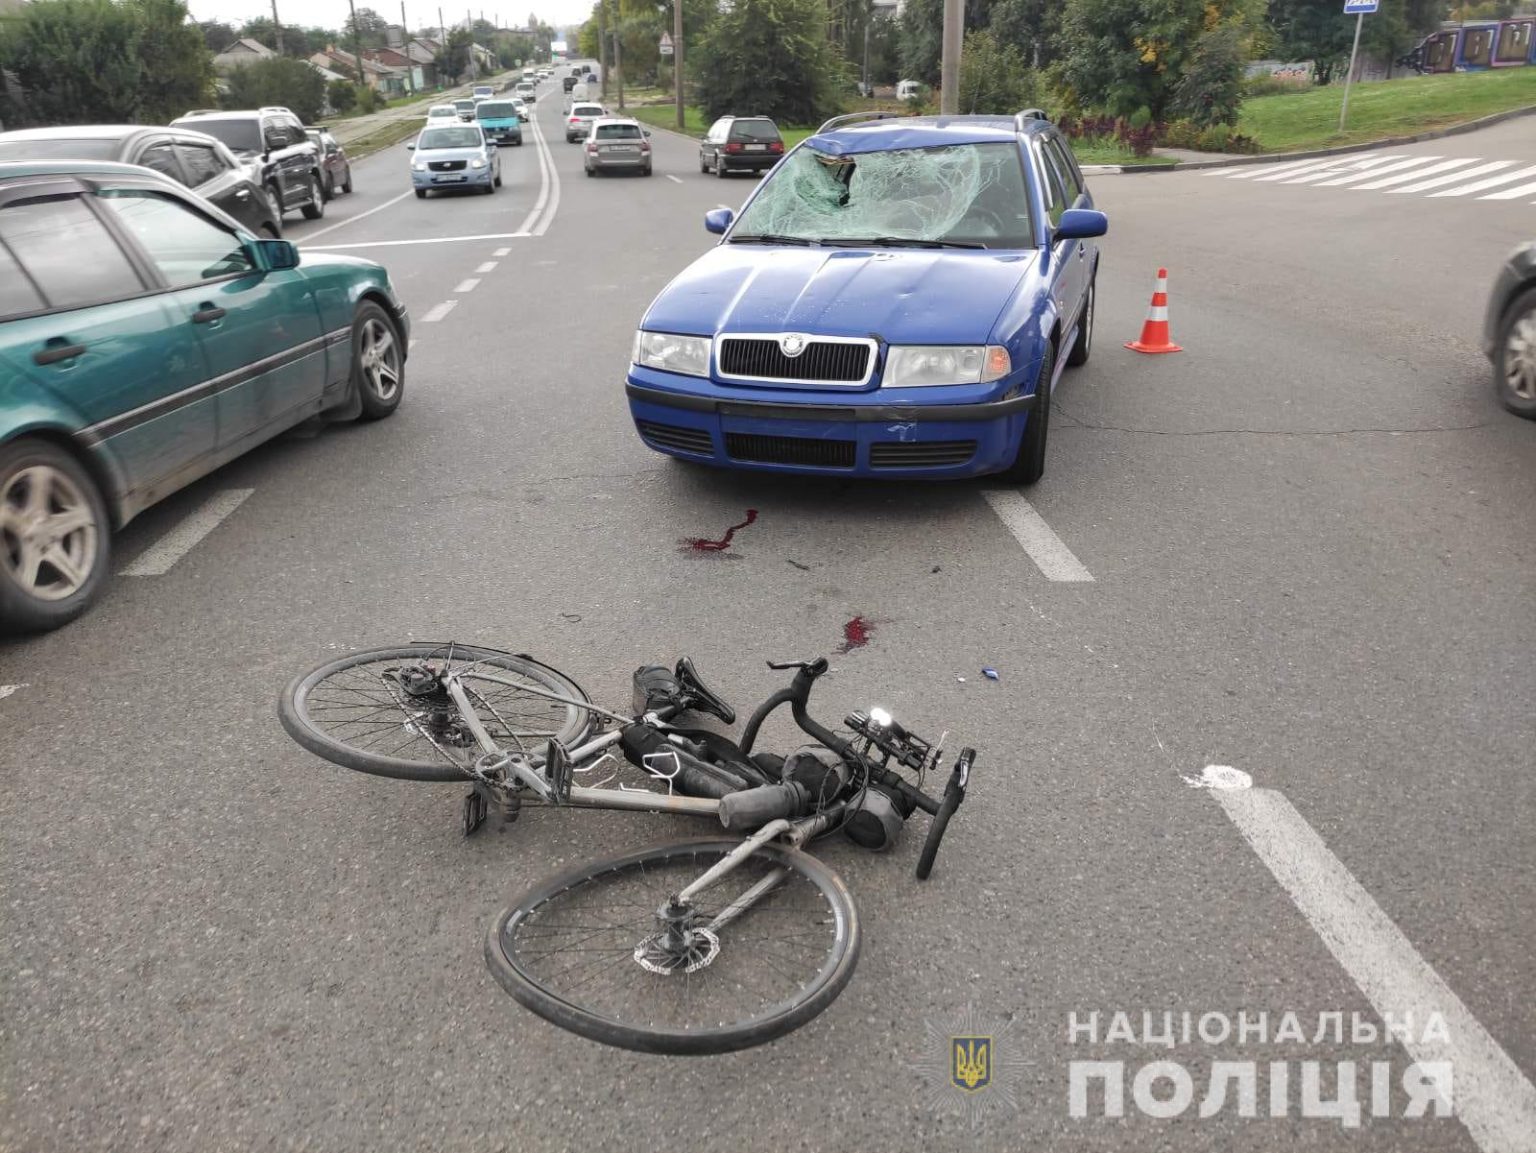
[207, 314]
[243, 194]
[56, 350]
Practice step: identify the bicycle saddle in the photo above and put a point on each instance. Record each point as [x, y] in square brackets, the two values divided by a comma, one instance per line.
[700, 697]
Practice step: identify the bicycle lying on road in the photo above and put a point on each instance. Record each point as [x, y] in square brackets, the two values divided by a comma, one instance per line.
[702, 946]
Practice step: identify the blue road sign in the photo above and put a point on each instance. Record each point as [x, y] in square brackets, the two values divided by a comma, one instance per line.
[1358, 7]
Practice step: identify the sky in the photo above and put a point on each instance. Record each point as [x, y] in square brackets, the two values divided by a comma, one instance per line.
[331, 13]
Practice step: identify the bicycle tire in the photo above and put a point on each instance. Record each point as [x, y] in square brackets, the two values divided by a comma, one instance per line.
[809, 999]
[434, 763]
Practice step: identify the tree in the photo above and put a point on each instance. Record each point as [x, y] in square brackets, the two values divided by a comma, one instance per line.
[341, 95]
[922, 34]
[1211, 90]
[453, 60]
[293, 83]
[1315, 30]
[994, 76]
[368, 29]
[217, 35]
[176, 70]
[770, 57]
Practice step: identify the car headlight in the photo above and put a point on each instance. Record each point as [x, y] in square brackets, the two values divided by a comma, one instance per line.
[477, 162]
[911, 365]
[419, 166]
[672, 353]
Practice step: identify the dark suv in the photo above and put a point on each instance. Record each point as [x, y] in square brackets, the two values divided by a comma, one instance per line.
[741, 144]
[276, 151]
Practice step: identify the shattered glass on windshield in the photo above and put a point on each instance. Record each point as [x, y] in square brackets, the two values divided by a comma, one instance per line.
[969, 194]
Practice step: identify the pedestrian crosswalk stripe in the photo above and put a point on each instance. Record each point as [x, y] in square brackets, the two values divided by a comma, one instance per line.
[1297, 172]
[1414, 174]
[1511, 193]
[1400, 175]
[1491, 182]
[1366, 165]
[1442, 181]
[1372, 173]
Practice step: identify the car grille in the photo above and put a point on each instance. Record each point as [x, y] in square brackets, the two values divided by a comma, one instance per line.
[920, 454]
[446, 165]
[677, 438]
[790, 450]
[822, 361]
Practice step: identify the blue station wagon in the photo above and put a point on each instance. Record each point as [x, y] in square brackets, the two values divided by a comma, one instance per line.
[145, 339]
[897, 299]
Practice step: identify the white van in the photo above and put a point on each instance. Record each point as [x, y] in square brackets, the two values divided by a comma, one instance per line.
[580, 91]
[908, 89]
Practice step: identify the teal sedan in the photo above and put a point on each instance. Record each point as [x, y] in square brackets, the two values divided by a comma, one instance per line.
[146, 339]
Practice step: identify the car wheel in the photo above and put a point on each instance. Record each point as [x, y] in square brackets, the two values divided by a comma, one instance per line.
[378, 369]
[719, 167]
[587, 168]
[346, 185]
[315, 209]
[330, 188]
[497, 181]
[275, 202]
[421, 194]
[273, 231]
[703, 164]
[1083, 345]
[646, 171]
[1514, 365]
[1029, 465]
[55, 537]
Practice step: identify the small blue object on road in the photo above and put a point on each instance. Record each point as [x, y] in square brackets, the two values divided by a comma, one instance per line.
[991, 674]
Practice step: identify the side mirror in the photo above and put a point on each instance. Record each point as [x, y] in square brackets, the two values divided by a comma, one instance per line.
[717, 220]
[411, 144]
[276, 255]
[1081, 223]
[647, 131]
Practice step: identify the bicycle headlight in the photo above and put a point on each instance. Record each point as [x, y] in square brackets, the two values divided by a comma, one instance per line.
[672, 353]
[913, 365]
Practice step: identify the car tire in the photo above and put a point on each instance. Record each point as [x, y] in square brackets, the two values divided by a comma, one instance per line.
[329, 191]
[23, 608]
[275, 200]
[646, 171]
[1083, 345]
[377, 399]
[346, 185]
[588, 170]
[315, 209]
[1029, 465]
[496, 182]
[1514, 356]
[273, 231]
[421, 194]
[703, 164]
[719, 167]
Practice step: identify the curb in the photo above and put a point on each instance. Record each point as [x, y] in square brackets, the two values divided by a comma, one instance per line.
[1280, 157]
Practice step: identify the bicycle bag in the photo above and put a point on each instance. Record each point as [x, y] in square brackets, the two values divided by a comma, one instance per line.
[655, 687]
[647, 748]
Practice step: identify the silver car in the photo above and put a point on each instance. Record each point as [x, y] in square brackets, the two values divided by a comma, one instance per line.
[578, 121]
[454, 156]
[616, 144]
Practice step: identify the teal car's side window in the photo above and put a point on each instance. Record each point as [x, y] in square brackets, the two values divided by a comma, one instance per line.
[17, 292]
[185, 247]
[68, 252]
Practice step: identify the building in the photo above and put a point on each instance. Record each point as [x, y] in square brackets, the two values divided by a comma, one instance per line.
[414, 78]
[423, 53]
[242, 52]
[386, 81]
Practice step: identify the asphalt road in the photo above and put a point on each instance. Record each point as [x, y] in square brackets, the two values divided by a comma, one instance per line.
[1311, 544]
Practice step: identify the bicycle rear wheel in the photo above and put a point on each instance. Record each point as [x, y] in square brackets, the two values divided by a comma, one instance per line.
[385, 711]
[603, 951]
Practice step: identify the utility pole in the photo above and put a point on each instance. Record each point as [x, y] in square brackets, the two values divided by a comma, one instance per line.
[474, 65]
[602, 45]
[405, 50]
[357, 44]
[618, 65]
[277, 28]
[949, 70]
[677, 57]
[869, 18]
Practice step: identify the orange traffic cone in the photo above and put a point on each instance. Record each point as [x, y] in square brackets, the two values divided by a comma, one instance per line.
[1154, 333]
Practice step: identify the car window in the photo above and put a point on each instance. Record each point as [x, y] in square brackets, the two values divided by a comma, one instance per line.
[162, 159]
[462, 136]
[587, 110]
[185, 247]
[201, 161]
[761, 131]
[68, 149]
[496, 110]
[241, 135]
[717, 130]
[1070, 183]
[17, 292]
[1055, 188]
[618, 132]
[67, 251]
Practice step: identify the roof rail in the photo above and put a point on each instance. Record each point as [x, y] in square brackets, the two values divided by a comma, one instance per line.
[855, 117]
[1029, 114]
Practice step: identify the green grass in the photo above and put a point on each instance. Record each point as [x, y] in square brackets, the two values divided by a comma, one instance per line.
[1385, 108]
[1110, 152]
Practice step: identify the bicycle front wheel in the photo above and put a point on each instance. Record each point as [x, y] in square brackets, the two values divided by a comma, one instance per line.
[386, 711]
[606, 951]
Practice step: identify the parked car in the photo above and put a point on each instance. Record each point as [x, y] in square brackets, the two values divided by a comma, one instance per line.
[466, 110]
[907, 321]
[578, 122]
[443, 114]
[1509, 334]
[193, 159]
[334, 164]
[501, 121]
[275, 151]
[454, 156]
[146, 338]
[618, 145]
[740, 144]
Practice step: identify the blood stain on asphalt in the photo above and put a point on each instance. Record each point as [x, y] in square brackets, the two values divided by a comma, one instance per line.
[701, 544]
[856, 634]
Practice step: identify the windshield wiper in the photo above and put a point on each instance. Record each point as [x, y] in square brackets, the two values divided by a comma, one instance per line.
[771, 238]
[896, 242]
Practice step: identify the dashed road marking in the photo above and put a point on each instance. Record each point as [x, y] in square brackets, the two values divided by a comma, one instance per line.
[355, 219]
[412, 345]
[502, 252]
[424, 240]
[438, 311]
[673, 179]
[488, 266]
[466, 286]
[158, 558]
[1054, 559]
[1492, 1097]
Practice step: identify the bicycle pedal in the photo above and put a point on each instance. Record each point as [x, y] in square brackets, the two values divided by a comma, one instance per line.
[475, 812]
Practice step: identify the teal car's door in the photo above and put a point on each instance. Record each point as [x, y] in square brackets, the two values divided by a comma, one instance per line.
[102, 343]
[259, 331]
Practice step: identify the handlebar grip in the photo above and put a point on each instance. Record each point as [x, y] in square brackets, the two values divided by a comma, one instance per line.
[750, 809]
[954, 793]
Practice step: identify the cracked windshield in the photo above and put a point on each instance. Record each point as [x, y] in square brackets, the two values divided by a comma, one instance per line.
[890, 576]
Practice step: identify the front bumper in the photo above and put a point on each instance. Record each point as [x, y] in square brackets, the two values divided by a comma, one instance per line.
[831, 434]
[464, 178]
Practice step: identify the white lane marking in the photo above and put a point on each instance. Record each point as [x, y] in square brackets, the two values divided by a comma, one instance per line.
[352, 219]
[424, 240]
[1373, 173]
[438, 311]
[1511, 193]
[502, 252]
[1415, 174]
[1442, 181]
[488, 266]
[1491, 182]
[1044, 547]
[1308, 167]
[673, 179]
[1248, 173]
[1492, 1097]
[554, 184]
[1340, 169]
[1220, 777]
[158, 558]
[545, 163]
[7, 690]
[412, 345]
[727, 207]
[466, 286]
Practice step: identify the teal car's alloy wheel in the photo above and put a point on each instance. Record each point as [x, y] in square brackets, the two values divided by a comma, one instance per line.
[49, 532]
[380, 359]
